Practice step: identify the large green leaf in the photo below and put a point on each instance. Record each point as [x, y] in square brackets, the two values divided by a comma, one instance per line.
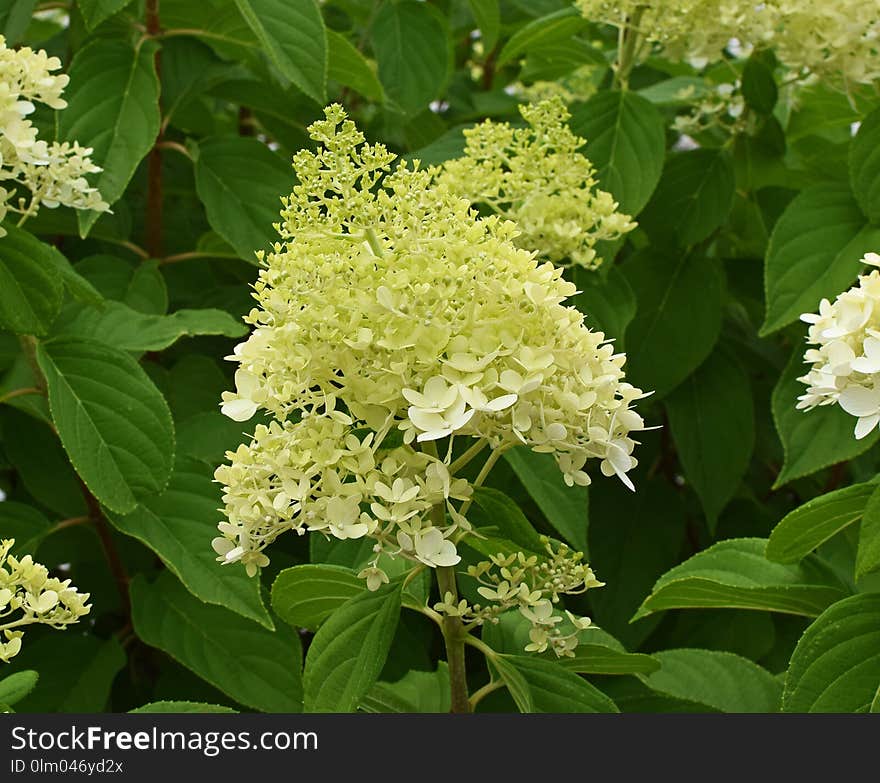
[178, 525]
[864, 166]
[305, 595]
[30, 289]
[607, 302]
[113, 422]
[130, 330]
[27, 525]
[720, 680]
[713, 425]
[96, 11]
[292, 34]
[412, 49]
[113, 107]
[256, 667]
[558, 26]
[76, 671]
[693, 198]
[240, 181]
[501, 513]
[812, 439]
[539, 685]
[15, 16]
[679, 315]
[347, 654]
[836, 664]
[817, 520]
[350, 68]
[566, 508]
[626, 141]
[141, 286]
[868, 552]
[814, 252]
[735, 574]
[415, 692]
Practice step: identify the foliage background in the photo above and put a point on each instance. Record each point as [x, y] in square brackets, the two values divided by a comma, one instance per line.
[193, 110]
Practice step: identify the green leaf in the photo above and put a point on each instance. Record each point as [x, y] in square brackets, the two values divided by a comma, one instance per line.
[557, 26]
[349, 650]
[180, 708]
[487, 15]
[412, 49]
[140, 286]
[292, 34]
[501, 513]
[113, 422]
[350, 68]
[817, 520]
[416, 692]
[113, 107]
[864, 166]
[240, 182]
[679, 299]
[26, 525]
[734, 574]
[81, 683]
[305, 595]
[712, 420]
[539, 685]
[813, 439]
[693, 198]
[566, 508]
[868, 552]
[15, 16]
[256, 667]
[608, 304]
[178, 525]
[96, 11]
[758, 86]
[626, 141]
[130, 330]
[814, 252]
[836, 664]
[720, 680]
[30, 290]
[16, 686]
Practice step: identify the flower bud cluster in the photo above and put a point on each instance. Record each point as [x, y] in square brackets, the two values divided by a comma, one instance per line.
[536, 177]
[392, 319]
[846, 357]
[53, 173]
[836, 40]
[28, 595]
[532, 585]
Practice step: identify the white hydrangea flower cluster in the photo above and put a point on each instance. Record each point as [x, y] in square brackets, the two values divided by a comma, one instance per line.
[391, 318]
[839, 39]
[533, 586]
[846, 360]
[28, 595]
[53, 173]
[720, 106]
[536, 177]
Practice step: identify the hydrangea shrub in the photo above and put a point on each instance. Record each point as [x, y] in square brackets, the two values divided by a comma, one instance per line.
[534, 367]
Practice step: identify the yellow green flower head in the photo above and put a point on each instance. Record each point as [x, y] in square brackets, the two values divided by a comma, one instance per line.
[53, 173]
[831, 39]
[536, 177]
[390, 318]
[845, 358]
[28, 595]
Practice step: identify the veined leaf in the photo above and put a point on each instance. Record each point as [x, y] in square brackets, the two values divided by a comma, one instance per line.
[305, 595]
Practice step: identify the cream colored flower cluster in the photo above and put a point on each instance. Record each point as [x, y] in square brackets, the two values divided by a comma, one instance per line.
[391, 320]
[839, 39]
[846, 360]
[536, 177]
[28, 595]
[53, 173]
[532, 585]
